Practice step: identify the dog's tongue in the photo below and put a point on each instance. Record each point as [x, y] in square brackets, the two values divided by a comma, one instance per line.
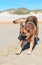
[21, 41]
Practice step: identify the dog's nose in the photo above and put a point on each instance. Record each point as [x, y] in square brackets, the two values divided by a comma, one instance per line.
[21, 37]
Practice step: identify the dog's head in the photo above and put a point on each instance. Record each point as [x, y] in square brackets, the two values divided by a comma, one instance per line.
[26, 31]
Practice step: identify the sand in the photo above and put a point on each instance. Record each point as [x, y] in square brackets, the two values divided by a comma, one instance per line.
[9, 44]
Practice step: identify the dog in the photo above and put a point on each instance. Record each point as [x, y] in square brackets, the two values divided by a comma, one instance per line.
[28, 32]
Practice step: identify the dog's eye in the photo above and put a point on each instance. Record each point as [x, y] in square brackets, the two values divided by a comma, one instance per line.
[20, 31]
[28, 30]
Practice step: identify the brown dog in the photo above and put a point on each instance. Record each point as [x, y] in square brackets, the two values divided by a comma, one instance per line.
[28, 32]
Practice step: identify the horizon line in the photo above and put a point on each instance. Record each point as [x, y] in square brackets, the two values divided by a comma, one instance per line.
[18, 8]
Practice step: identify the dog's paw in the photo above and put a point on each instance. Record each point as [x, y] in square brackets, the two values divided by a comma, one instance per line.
[29, 52]
[17, 53]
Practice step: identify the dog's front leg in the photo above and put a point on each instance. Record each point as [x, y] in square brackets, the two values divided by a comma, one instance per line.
[31, 46]
[19, 50]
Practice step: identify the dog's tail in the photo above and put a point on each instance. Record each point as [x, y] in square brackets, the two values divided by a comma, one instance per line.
[20, 20]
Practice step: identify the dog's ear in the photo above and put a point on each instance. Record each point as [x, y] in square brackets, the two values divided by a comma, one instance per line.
[21, 25]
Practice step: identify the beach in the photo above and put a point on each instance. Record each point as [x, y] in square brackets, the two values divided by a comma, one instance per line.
[9, 42]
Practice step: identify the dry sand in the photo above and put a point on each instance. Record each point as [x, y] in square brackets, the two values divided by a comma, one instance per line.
[9, 45]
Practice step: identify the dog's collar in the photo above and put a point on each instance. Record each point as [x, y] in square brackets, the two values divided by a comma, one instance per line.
[30, 23]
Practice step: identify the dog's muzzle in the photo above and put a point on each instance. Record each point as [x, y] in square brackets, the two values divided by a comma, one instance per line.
[22, 37]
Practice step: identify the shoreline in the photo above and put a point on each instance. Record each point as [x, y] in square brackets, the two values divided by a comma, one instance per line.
[10, 22]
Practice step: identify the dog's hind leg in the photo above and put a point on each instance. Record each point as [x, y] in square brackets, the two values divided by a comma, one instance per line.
[36, 35]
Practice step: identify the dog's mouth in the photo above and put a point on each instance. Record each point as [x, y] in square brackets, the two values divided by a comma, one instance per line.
[21, 38]
[20, 41]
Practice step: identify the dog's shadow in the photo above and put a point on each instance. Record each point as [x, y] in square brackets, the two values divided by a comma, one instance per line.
[27, 45]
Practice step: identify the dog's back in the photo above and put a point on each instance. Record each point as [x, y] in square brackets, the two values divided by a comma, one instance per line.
[32, 19]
